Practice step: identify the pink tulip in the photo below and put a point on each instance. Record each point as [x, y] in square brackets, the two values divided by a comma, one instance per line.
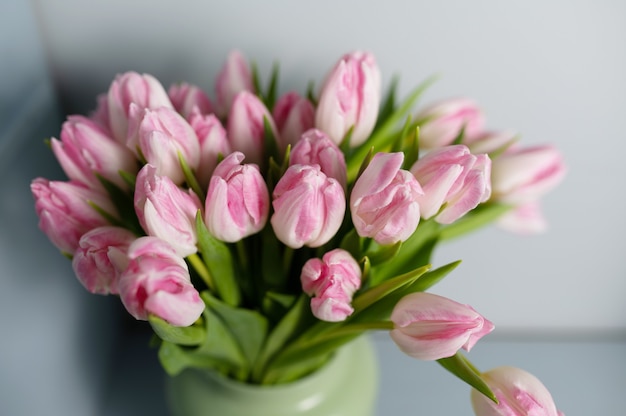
[523, 175]
[213, 143]
[237, 203]
[85, 149]
[430, 327]
[162, 135]
[333, 281]
[101, 258]
[100, 115]
[234, 77]
[491, 141]
[453, 176]
[144, 91]
[293, 115]
[65, 213]
[443, 121]
[519, 393]
[166, 211]
[350, 97]
[316, 148]
[524, 219]
[246, 130]
[185, 97]
[308, 207]
[384, 200]
[157, 282]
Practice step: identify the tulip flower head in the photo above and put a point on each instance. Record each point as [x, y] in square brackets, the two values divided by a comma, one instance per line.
[444, 121]
[519, 393]
[350, 98]
[430, 327]
[157, 282]
[101, 258]
[454, 176]
[187, 98]
[308, 207]
[234, 77]
[166, 211]
[144, 91]
[237, 203]
[333, 281]
[384, 200]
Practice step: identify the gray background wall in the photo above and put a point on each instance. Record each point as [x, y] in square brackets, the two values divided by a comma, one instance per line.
[555, 71]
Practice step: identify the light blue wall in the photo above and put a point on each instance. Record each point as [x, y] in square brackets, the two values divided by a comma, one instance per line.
[553, 71]
[56, 341]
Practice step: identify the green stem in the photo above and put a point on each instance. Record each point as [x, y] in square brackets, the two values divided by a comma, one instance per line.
[287, 257]
[202, 270]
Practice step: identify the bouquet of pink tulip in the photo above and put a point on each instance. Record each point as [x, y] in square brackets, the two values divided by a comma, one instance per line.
[257, 235]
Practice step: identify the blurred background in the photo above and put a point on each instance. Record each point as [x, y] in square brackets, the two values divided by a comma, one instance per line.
[553, 71]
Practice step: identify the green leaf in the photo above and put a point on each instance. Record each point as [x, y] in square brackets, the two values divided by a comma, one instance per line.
[389, 104]
[382, 308]
[248, 327]
[411, 149]
[380, 254]
[190, 335]
[219, 261]
[124, 204]
[415, 251]
[219, 350]
[270, 97]
[463, 369]
[256, 83]
[288, 327]
[479, 217]
[378, 292]
[190, 178]
[318, 349]
[310, 93]
[269, 140]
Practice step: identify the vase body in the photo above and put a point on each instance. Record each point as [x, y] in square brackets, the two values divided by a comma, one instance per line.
[345, 386]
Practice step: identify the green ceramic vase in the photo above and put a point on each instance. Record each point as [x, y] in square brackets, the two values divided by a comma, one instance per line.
[345, 386]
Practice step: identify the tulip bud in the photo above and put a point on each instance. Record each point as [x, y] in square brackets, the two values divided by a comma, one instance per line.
[454, 176]
[431, 327]
[213, 143]
[491, 141]
[237, 203]
[333, 281]
[316, 148]
[161, 135]
[101, 258]
[185, 97]
[384, 200]
[100, 115]
[85, 149]
[144, 91]
[524, 219]
[519, 393]
[443, 121]
[65, 213]
[350, 98]
[523, 175]
[293, 116]
[166, 211]
[157, 282]
[308, 207]
[234, 77]
[246, 130]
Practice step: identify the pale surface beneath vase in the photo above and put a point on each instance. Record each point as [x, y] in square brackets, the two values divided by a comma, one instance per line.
[585, 376]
